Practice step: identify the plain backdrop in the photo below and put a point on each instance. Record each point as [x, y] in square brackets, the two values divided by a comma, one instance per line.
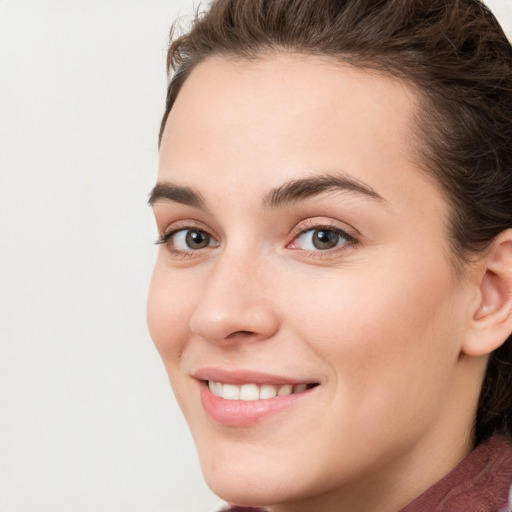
[88, 422]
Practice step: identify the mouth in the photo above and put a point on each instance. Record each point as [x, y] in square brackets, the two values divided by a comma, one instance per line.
[253, 391]
[245, 399]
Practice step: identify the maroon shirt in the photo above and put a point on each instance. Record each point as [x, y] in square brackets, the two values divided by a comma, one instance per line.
[480, 483]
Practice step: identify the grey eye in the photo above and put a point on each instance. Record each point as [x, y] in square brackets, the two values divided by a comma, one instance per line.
[321, 239]
[325, 238]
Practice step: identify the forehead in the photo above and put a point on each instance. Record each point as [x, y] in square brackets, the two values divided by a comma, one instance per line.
[281, 115]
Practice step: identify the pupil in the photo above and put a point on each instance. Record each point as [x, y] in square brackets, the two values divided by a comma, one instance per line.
[197, 239]
[325, 239]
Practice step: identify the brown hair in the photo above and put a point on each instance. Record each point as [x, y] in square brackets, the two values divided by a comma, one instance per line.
[454, 53]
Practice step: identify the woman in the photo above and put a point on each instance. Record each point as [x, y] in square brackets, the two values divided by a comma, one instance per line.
[333, 293]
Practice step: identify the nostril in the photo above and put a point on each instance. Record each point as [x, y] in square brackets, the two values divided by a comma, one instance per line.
[236, 334]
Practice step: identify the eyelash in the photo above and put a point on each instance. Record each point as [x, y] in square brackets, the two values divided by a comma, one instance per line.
[300, 230]
[311, 225]
[165, 237]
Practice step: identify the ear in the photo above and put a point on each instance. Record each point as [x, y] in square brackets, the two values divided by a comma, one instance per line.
[492, 319]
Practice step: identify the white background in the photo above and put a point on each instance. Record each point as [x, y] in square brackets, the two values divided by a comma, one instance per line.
[88, 422]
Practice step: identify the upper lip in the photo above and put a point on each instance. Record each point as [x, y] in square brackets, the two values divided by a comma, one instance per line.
[241, 377]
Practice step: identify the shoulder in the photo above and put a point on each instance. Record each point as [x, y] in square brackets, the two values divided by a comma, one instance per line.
[235, 508]
[508, 507]
[482, 482]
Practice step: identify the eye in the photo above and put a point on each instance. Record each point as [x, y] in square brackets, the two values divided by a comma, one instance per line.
[187, 240]
[321, 239]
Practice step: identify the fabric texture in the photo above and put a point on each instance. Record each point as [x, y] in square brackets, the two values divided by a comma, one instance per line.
[234, 508]
[482, 482]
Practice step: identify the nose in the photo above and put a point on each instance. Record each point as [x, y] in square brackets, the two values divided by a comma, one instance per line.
[236, 304]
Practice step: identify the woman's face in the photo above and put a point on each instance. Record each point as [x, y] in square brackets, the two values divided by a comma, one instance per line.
[305, 252]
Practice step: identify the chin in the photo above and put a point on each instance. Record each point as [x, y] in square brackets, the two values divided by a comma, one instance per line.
[250, 488]
[248, 475]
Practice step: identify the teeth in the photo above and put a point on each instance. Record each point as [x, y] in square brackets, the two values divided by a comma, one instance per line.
[285, 390]
[230, 391]
[253, 391]
[249, 392]
[268, 391]
[299, 388]
[215, 387]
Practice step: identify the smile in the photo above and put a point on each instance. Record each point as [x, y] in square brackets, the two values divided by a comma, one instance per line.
[244, 398]
[250, 392]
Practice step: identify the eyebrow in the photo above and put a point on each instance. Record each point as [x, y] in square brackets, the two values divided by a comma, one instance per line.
[291, 192]
[302, 188]
[176, 193]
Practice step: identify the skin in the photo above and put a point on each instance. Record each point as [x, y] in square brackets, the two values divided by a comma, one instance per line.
[380, 323]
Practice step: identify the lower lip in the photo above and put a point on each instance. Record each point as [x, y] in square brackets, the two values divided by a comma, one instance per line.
[245, 413]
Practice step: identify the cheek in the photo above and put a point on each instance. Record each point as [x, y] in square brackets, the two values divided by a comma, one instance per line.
[169, 310]
[390, 339]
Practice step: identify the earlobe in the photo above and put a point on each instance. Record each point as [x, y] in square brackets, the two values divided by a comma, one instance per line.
[492, 320]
